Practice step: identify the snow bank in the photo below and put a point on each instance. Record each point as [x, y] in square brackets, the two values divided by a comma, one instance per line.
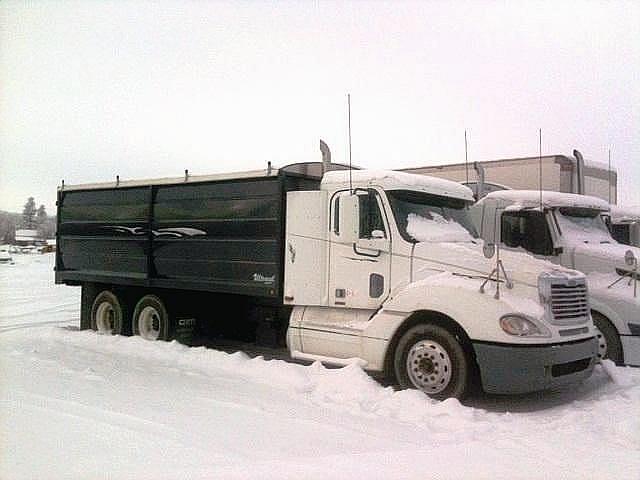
[78, 405]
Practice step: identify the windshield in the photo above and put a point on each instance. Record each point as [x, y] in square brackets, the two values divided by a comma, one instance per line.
[422, 217]
[583, 225]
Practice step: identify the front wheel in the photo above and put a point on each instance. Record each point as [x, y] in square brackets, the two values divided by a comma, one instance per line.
[431, 359]
[609, 345]
[151, 319]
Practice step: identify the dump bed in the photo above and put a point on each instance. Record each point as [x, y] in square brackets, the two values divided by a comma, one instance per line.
[220, 235]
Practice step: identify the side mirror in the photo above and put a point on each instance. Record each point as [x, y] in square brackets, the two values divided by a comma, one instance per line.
[377, 235]
[349, 220]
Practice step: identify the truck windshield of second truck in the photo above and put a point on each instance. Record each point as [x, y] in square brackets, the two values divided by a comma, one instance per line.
[423, 217]
[583, 225]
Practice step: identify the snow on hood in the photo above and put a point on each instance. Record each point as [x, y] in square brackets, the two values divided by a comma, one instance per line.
[590, 257]
[468, 258]
[436, 229]
[625, 214]
[618, 296]
[518, 303]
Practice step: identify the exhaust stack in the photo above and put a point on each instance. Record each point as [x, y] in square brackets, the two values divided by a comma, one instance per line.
[326, 156]
[579, 172]
[480, 185]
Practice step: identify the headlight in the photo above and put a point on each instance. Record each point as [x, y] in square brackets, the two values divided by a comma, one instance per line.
[521, 326]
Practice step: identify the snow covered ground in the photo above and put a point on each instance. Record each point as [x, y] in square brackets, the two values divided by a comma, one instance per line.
[78, 405]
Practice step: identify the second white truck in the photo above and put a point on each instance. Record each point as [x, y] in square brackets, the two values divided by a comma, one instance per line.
[569, 230]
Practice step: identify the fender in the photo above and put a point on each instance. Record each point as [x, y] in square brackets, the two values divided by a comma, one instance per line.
[597, 305]
[455, 297]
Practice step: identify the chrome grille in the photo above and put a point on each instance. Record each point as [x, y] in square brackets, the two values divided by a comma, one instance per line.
[569, 302]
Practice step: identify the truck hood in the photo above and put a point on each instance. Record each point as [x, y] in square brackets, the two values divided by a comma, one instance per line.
[616, 296]
[468, 259]
[601, 257]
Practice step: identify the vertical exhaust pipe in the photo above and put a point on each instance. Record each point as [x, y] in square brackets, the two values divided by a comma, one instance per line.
[326, 156]
[579, 172]
[480, 184]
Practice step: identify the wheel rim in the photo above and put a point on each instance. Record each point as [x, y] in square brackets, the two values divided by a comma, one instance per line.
[149, 323]
[105, 318]
[429, 366]
[602, 345]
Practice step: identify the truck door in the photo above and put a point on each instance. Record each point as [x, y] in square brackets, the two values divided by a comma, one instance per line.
[359, 272]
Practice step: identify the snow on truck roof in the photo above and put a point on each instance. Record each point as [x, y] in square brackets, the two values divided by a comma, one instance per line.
[531, 199]
[390, 180]
[625, 214]
[172, 180]
[393, 180]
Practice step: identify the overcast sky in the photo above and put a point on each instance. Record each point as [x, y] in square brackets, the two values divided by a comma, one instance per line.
[91, 90]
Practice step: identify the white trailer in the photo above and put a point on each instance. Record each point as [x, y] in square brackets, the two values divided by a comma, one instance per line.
[560, 173]
[569, 230]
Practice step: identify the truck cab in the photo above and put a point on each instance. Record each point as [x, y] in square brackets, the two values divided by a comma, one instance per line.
[569, 230]
[386, 269]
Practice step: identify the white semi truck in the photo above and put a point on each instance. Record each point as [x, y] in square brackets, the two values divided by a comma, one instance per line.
[379, 268]
[569, 230]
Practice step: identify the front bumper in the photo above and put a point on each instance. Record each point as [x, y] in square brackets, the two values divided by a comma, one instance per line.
[528, 368]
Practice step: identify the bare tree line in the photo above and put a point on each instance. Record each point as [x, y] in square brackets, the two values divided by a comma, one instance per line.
[32, 218]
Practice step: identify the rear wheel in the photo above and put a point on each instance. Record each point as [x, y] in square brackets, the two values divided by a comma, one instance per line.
[109, 315]
[151, 320]
[431, 359]
[609, 345]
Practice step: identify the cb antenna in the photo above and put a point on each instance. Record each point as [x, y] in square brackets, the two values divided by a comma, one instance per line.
[540, 164]
[609, 173]
[349, 117]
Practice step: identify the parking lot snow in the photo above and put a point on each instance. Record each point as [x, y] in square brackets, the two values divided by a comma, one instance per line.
[75, 404]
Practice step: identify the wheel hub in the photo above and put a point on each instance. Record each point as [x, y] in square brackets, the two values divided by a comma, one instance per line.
[149, 323]
[602, 345]
[429, 366]
[105, 318]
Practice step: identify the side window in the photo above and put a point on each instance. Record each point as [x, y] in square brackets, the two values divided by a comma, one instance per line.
[527, 229]
[336, 215]
[621, 233]
[370, 214]
[512, 229]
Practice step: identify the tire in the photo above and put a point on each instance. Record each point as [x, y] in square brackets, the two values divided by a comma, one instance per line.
[430, 358]
[609, 345]
[109, 315]
[151, 320]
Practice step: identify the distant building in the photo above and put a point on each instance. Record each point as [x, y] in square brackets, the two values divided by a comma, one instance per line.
[560, 173]
[27, 238]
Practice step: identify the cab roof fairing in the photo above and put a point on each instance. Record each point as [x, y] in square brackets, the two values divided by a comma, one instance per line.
[393, 180]
[530, 199]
